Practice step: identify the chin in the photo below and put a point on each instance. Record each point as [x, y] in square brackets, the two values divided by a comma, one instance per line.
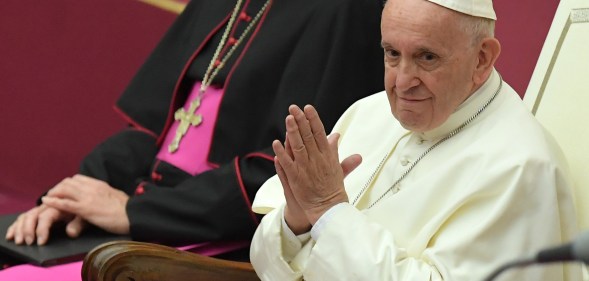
[410, 125]
[407, 119]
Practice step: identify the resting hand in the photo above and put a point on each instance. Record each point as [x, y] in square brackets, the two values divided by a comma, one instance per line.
[311, 166]
[92, 200]
[34, 225]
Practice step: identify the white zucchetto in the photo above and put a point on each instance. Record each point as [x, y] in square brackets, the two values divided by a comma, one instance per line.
[477, 8]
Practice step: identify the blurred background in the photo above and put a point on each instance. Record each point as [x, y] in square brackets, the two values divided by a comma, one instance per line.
[63, 64]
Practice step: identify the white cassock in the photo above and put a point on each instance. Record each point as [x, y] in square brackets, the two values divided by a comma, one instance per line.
[496, 191]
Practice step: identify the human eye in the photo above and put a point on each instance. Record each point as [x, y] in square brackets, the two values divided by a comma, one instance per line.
[391, 55]
[427, 56]
[428, 59]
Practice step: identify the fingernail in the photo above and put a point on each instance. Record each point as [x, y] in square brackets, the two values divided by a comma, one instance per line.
[29, 240]
[40, 240]
[18, 239]
[72, 231]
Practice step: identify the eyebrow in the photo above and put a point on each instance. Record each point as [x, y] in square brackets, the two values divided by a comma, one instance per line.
[425, 50]
[419, 50]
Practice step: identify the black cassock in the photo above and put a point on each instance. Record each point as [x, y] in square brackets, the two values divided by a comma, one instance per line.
[321, 52]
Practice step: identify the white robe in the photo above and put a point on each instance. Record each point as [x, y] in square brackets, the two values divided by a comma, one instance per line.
[496, 191]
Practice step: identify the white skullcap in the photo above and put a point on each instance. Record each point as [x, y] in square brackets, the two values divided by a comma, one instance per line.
[477, 8]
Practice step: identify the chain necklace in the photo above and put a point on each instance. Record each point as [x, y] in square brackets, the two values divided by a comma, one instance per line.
[190, 118]
[215, 65]
[394, 187]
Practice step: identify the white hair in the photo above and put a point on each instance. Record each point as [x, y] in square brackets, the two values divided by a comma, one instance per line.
[477, 27]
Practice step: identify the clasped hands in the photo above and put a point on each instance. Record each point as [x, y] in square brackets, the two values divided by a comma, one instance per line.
[77, 201]
[309, 169]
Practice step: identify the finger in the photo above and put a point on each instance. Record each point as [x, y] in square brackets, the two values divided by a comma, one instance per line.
[10, 232]
[18, 235]
[281, 175]
[63, 204]
[67, 188]
[280, 152]
[288, 194]
[86, 181]
[317, 128]
[351, 163]
[284, 181]
[288, 148]
[304, 129]
[287, 167]
[332, 144]
[14, 227]
[75, 227]
[29, 226]
[17, 231]
[299, 151]
[83, 179]
[46, 219]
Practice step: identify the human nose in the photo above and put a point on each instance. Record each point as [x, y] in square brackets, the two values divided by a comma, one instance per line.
[406, 76]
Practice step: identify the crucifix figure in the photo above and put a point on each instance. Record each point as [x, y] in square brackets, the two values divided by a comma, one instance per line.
[186, 119]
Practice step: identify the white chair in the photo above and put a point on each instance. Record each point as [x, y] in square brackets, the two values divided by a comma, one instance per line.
[558, 94]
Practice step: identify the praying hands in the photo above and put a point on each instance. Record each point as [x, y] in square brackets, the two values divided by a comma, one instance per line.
[309, 169]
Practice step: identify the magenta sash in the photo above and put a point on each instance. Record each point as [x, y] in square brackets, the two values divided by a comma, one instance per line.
[193, 150]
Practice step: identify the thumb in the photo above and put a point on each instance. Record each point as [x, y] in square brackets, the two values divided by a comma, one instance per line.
[75, 227]
[351, 163]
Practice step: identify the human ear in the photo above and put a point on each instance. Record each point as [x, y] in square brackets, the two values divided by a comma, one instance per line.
[489, 49]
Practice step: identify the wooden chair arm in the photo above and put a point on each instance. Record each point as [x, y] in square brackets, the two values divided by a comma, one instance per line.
[138, 261]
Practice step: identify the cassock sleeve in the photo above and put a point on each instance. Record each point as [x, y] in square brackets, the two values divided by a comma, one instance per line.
[212, 206]
[121, 159]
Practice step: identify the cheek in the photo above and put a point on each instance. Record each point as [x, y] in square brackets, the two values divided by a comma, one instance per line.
[390, 75]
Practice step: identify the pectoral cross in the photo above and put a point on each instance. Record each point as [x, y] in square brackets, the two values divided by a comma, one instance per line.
[186, 119]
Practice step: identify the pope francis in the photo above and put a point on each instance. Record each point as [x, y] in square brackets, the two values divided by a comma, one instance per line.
[458, 180]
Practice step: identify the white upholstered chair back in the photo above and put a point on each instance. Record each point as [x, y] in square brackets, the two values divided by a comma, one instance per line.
[558, 93]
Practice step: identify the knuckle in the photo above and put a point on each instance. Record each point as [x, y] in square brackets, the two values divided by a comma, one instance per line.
[318, 134]
[45, 216]
[308, 136]
[300, 148]
[65, 181]
[22, 216]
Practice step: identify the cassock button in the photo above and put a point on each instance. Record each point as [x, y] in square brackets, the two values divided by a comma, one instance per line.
[155, 176]
[244, 17]
[404, 161]
[231, 41]
[139, 190]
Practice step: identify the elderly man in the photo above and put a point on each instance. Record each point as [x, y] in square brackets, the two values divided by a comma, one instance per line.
[461, 180]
